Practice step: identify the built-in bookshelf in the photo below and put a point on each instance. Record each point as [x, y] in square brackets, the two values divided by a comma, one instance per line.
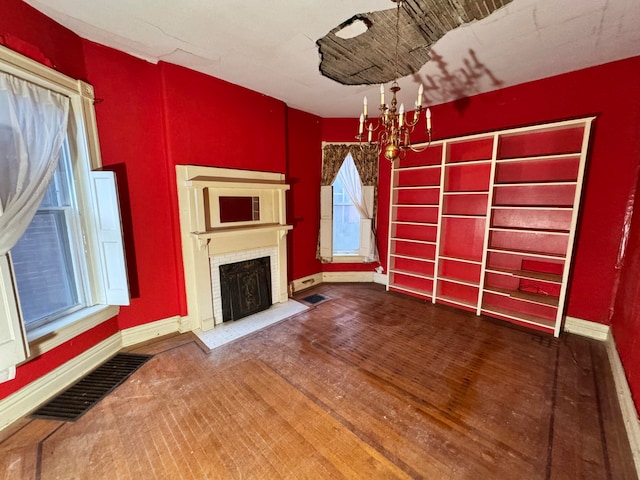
[487, 222]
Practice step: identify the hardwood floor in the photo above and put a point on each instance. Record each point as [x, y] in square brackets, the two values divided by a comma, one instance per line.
[367, 385]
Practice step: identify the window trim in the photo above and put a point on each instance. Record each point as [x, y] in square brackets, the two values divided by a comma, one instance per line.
[83, 125]
[326, 227]
[55, 333]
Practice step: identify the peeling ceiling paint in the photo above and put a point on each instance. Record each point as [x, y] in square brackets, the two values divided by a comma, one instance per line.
[270, 47]
[373, 57]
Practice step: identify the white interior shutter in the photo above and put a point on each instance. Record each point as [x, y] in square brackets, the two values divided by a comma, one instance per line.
[326, 222]
[366, 233]
[109, 230]
[365, 237]
[13, 345]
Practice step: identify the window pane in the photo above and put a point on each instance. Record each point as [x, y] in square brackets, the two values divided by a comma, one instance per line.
[58, 192]
[346, 222]
[43, 268]
[42, 260]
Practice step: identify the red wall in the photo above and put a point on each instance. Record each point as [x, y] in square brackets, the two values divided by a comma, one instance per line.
[304, 164]
[607, 91]
[626, 317]
[131, 128]
[21, 24]
[215, 123]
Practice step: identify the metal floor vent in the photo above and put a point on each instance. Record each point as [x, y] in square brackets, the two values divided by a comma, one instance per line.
[315, 298]
[74, 402]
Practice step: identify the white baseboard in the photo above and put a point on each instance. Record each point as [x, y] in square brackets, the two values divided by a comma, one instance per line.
[602, 332]
[31, 396]
[629, 413]
[304, 283]
[334, 277]
[380, 278]
[149, 331]
[586, 328]
[28, 398]
[339, 277]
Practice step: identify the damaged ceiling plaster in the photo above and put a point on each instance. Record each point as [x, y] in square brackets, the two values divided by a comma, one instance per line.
[369, 58]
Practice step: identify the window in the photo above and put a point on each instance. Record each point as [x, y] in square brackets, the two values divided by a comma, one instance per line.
[346, 219]
[346, 210]
[50, 247]
[68, 267]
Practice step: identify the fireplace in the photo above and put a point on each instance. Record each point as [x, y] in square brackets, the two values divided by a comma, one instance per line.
[229, 216]
[245, 288]
[217, 262]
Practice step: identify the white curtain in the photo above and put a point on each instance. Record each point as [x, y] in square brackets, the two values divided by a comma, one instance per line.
[350, 179]
[33, 126]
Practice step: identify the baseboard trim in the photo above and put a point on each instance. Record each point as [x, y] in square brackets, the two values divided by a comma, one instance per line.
[335, 277]
[380, 278]
[341, 277]
[304, 283]
[28, 398]
[586, 328]
[628, 408]
[151, 330]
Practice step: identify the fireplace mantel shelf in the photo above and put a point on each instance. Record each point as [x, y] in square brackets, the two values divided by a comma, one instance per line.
[227, 231]
[233, 184]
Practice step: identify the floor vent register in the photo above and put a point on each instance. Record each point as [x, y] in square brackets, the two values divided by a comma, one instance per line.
[74, 402]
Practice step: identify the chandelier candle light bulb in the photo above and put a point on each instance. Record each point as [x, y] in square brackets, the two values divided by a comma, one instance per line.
[394, 126]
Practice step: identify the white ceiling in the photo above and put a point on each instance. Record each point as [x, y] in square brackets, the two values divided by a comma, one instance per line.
[270, 46]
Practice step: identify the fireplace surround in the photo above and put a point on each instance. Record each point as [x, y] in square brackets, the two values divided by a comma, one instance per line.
[245, 288]
[220, 260]
[209, 240]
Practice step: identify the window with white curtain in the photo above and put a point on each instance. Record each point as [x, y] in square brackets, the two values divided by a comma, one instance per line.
[346, 211]
[62, 268]
[346, 221]
[51, 247]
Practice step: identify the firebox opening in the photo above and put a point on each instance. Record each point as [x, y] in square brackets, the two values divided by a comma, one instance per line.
[245, 287]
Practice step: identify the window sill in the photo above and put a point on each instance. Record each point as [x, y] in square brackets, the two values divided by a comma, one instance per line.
[54, 334]
[347, 259]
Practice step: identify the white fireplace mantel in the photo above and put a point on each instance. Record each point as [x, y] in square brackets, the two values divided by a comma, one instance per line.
[206, 240]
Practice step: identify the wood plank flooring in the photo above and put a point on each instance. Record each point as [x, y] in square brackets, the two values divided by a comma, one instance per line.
[365, 385]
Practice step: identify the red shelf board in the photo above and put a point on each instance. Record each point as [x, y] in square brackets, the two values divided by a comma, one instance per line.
[416, 214]
[430, 156]
[469, 150]
[467, 178]
[534, 195]
[544, 142]
[532, 219]
[548, 170]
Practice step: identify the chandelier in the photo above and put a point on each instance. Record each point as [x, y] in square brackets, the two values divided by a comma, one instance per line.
[393, 129]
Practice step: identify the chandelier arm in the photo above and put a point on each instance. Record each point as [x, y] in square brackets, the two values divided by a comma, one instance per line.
[415, 149]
